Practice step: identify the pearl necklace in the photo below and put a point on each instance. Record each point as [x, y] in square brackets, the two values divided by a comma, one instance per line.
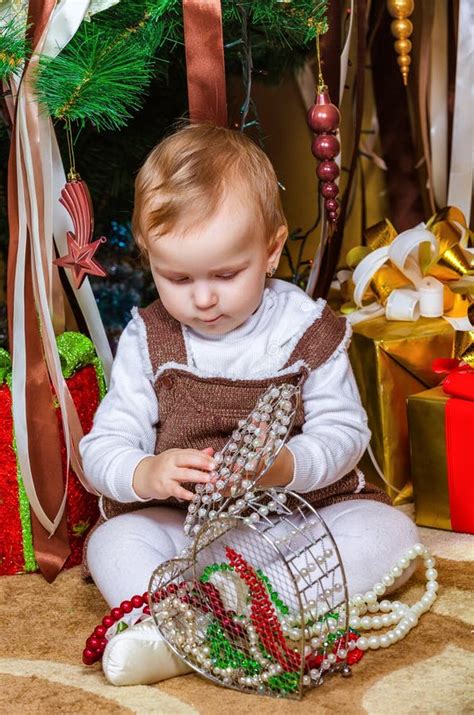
[403, 616]
[394, 612]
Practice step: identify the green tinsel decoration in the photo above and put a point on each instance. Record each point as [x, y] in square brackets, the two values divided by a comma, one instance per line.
[13, 48]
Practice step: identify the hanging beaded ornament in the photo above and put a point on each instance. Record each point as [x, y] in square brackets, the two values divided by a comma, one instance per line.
[402, 28]
[256, 441]
[324, 119]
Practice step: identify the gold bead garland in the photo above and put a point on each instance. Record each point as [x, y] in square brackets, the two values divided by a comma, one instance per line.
[402, 28]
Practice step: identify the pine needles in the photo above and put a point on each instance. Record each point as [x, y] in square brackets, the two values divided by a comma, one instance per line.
[12, 47]
[96, 79]
[289, 24]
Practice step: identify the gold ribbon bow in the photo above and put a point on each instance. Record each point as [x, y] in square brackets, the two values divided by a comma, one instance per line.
[399, 262]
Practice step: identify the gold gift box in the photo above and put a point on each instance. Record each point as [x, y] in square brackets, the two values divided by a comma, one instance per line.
[391, 361]
[426, 419]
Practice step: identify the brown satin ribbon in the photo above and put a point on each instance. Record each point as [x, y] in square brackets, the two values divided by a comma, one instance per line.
[44, 437]
[398, 150]
[205, 69]
[333, 247]
[44, 443]
[38, 16]
[58, 307]
[423, 77]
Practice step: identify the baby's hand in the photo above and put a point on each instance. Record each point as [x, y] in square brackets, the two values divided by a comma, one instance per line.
[160, 477]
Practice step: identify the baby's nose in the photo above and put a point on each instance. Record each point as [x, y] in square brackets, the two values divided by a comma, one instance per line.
[204, 296]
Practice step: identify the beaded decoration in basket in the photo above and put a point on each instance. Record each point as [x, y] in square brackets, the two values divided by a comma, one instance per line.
[258, 601]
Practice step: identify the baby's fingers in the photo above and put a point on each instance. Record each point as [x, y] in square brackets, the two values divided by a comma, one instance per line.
[181, 493]
[192, 475]
[196, 460]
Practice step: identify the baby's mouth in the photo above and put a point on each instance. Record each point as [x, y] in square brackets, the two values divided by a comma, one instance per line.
[213, 320]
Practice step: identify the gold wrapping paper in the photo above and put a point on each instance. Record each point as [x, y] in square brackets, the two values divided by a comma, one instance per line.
[428, 458]
[391, 361]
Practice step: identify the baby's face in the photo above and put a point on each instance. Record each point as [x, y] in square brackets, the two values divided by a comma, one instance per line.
[211, 276]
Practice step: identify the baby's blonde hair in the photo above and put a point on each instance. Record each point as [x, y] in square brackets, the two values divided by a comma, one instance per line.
[189, 171]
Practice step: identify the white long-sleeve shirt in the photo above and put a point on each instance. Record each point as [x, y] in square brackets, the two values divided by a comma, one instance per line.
[334, 434]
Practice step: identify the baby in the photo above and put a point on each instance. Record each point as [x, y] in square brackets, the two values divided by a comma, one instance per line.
[209, 219]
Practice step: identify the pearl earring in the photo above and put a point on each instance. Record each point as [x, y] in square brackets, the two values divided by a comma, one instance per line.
[271, 272]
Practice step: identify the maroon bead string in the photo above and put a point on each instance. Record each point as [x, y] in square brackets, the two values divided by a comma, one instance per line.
[323, 120]
[95, 644]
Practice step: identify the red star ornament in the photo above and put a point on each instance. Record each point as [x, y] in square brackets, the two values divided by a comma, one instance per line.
[79, 259]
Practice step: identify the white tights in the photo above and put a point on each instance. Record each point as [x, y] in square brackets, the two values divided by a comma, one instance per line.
[124, 551]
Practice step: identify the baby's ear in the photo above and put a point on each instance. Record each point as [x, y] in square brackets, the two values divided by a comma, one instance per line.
[275, 246]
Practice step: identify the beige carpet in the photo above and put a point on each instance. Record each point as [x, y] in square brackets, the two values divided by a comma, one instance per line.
[42, 630]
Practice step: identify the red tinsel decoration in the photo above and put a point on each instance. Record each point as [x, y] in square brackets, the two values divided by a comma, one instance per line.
[81, 509]
[11, 543]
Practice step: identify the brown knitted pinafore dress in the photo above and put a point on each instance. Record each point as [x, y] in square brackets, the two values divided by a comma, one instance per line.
[198, 412]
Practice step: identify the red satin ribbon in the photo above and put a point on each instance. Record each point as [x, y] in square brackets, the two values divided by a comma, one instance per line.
[205, 67]
[459, 380]
[459, 426]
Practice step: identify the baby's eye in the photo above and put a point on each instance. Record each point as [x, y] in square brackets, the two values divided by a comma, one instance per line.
[178, 280]
[227, 276]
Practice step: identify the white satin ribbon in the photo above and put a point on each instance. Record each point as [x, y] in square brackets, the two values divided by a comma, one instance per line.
[462, 165]
[368, 312]
[402, 304]
[365, 271]
[57, 36]
[425, 295]
[431, 295]
[401, 251]
[461, 324]
[64, 24]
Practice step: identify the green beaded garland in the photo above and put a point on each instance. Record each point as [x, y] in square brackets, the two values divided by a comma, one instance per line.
[224, 655]
[286, 682]
[212, 568]
[274, 595]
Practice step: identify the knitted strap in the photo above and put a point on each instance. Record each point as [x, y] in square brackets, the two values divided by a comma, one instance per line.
[164, 336]
[320, 340]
